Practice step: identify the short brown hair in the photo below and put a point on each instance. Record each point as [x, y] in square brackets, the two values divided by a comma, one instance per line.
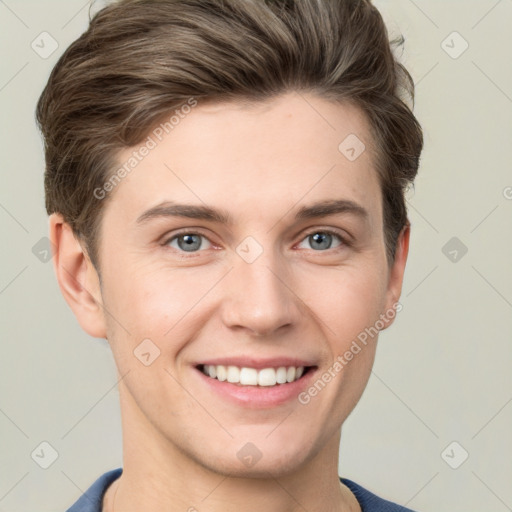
[141, 59]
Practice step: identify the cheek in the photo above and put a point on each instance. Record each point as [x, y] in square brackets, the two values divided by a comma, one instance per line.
[347, 300]
[159, 305]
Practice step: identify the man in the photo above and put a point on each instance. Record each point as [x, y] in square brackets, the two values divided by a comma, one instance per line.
[225, 183]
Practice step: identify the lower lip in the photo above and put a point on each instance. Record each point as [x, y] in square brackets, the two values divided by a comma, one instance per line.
[258, 397]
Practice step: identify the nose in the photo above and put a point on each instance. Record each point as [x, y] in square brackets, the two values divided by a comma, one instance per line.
[259, 297]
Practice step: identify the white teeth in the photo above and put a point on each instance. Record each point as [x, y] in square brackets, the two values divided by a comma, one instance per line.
[267, 377]
[221, 372]
[249, 376]
[281, 375]
[233, 374]
[253, 377]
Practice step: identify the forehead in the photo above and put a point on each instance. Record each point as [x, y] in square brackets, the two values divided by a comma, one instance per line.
[253, 158]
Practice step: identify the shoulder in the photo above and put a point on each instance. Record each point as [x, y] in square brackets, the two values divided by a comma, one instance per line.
[370, 502]
[91, 500]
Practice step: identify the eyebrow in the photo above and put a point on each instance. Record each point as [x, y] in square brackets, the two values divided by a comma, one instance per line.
[315, 210]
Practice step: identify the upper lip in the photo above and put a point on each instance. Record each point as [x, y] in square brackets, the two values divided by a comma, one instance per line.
[258, 363]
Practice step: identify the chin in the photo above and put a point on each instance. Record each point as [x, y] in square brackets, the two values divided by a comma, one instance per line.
[260, 458]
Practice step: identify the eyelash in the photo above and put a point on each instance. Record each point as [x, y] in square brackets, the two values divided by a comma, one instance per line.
[342, 238]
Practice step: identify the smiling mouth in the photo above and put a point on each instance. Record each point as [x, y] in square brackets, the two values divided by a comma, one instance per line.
[246, 376]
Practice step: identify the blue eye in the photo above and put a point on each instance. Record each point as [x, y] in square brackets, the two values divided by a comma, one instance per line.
[192, 242]
[322, 240]
[187, 242]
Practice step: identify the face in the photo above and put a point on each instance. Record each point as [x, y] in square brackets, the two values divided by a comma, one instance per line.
[247, 246]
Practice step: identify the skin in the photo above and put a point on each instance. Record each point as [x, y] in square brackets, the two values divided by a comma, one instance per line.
[261, 164]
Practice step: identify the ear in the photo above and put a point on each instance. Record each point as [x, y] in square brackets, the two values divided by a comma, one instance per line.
[396, 276]
[77, 277]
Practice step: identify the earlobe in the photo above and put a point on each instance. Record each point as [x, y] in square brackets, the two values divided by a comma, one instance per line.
[396, 274]
[77, 277]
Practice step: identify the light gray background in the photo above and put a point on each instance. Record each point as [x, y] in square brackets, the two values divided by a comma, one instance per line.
[442, 371]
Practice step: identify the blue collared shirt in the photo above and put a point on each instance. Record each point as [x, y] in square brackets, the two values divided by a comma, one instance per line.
[91, 500]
